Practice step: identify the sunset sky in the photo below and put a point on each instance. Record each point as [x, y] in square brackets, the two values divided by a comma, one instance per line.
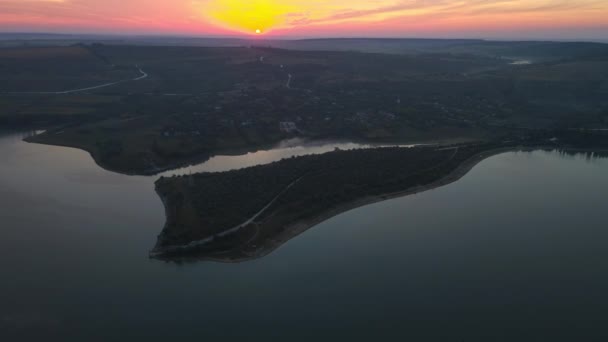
[567, 19]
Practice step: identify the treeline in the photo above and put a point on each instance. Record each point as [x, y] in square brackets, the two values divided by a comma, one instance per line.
[573, 138]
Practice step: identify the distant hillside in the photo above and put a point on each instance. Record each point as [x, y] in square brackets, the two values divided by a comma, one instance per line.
[532, 50]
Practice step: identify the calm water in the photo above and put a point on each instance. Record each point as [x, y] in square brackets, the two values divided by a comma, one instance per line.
[286, 149]
[515, 251]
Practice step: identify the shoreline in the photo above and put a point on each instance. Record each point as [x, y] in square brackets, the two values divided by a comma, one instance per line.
[146, 173]
[298, 228]
[293, 230]
[232, 151]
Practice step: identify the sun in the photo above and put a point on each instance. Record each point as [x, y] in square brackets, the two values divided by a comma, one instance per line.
[252, 17]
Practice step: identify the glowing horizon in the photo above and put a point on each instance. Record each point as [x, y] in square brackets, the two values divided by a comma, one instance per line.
[320, 18]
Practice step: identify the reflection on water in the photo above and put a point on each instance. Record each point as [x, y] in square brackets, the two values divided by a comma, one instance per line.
[588, 156]
[515, 251]
[521, 62]
[286, 149]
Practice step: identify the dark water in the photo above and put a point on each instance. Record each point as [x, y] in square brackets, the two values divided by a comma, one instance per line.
[515, 251]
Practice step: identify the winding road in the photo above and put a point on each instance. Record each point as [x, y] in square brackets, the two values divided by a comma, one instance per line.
[72, 91]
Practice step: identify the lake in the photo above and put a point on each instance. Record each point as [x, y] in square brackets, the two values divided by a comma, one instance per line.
[514, 251]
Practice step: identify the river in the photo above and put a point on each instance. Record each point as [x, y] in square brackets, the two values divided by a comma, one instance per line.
[514, 251]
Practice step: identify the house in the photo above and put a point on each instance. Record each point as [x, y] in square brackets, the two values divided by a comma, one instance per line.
[288, 127]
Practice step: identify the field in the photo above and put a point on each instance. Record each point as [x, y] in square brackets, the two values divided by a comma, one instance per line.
[53, 69]
[171, 105]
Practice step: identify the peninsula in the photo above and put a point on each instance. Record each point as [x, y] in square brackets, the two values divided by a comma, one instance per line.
[244, 214]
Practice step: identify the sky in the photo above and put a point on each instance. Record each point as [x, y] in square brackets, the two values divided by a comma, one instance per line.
[507, 19]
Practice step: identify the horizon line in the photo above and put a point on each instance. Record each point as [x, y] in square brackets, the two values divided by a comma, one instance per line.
[291, 38]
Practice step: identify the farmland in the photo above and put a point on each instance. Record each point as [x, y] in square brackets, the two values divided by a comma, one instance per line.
[168, 106]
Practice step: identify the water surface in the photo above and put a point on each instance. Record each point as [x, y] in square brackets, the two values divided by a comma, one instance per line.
[515, 251]
[286, 149]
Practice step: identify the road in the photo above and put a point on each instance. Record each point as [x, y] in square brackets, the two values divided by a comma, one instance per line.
[289, 77]
[251, 220]
[254, 217]
[72, 91]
